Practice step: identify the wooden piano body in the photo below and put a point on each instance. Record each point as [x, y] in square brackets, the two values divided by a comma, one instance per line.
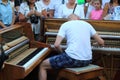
[21, 46]
[108, 30]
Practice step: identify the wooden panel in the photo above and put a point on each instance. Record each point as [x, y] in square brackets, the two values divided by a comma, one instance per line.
[99, 25]
[104, 25]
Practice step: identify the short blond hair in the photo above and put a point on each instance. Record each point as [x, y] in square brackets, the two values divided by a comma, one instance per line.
[73, 17]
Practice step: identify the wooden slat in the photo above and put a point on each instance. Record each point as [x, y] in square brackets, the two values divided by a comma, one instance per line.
[21, 56]
[16, 41]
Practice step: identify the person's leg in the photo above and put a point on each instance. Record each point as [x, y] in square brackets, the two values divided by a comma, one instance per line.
[54, 62]
[43, 69]
[59, 61]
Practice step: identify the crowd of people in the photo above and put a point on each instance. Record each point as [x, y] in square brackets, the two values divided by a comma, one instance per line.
[12, 11]
[63, 8]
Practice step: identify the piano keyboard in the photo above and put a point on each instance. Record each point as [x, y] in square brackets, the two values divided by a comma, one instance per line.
[35, 58]
[28, 57]
[110, 36]
[96, 48]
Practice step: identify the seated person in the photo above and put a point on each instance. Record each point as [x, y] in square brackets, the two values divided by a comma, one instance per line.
[71, 8]
[96, 14]
[78, 51]
[7, 17]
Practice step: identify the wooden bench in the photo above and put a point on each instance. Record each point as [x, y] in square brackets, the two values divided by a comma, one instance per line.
[83, 73]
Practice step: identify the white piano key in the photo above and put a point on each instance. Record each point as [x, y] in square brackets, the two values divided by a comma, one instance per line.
[35, 58]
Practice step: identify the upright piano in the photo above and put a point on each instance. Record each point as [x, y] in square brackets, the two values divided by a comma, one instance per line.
[108, 30]
[24, 53]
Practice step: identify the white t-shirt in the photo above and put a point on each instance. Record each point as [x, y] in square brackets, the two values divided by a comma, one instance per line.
[57, 4]
[78, 34]
[47, 7]
[64, 12]
[24, 9]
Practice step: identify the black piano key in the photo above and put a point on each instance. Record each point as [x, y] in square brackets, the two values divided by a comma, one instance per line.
[29, 57]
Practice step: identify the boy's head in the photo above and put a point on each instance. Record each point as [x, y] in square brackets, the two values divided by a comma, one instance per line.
[73, 17]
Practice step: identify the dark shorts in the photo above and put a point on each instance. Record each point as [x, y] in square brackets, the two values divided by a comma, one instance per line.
[64, 61]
